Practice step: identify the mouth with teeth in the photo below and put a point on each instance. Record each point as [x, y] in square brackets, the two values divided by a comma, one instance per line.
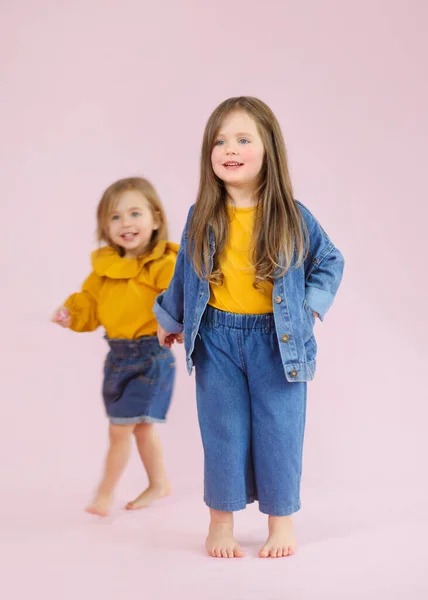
[128, 237]
[232, 165]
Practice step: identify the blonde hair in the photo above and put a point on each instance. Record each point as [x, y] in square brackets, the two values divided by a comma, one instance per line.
[279, 230]
[110, 199]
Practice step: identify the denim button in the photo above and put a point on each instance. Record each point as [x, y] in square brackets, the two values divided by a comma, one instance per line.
[277, 299]
[293, 373]
[285, 338]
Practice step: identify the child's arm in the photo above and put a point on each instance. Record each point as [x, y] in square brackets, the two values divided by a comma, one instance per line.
[164, 274]
[79, 311]
[323, 268]
[169, 306]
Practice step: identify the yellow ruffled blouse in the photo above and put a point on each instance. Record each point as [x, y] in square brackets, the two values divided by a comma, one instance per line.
[120, 292]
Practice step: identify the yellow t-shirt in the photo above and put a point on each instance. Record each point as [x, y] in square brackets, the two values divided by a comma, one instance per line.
[237, 294]
[120, 293]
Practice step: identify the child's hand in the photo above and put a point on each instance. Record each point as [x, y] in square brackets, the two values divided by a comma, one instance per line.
[162, 335]
[62, 317]
[167, 339]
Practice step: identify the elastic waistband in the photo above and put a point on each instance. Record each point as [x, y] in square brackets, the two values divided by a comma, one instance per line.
[213, 316]
[142, 346]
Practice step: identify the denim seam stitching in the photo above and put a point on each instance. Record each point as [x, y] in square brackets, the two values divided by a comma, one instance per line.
[279, 508]
[249, 500]
[241, 353]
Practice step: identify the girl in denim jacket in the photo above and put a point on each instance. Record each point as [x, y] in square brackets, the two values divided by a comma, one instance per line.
[254, 271]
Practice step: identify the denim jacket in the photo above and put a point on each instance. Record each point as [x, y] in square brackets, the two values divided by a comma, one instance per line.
[309, 288]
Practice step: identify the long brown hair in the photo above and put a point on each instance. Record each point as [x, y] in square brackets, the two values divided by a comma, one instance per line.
[109, 201]
[279, 230]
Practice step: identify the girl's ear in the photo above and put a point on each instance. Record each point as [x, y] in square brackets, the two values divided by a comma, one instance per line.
[156, 220]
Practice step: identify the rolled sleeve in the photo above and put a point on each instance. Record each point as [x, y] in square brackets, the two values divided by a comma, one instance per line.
[164, 318]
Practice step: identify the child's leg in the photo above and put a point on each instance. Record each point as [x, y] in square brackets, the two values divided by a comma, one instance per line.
[116, 460]
[278, 421]
[150, 450]
[225, 423]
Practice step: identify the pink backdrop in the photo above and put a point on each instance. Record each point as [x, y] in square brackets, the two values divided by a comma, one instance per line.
[94, 91]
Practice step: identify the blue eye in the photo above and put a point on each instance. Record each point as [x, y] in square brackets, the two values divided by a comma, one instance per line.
[244, 141]
[219, 143]
[115, 217]
[135, 213]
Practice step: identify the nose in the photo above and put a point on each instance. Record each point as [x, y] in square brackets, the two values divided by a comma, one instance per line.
[230, 149]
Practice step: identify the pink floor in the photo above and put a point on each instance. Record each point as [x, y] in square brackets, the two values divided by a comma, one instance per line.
[352, 545]
[357, 540]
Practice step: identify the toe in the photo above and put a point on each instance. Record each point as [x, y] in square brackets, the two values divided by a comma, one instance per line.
[94, 510]
[272, 553]
[223, 553]
[263, 553]
[238, 552]
[230, 553]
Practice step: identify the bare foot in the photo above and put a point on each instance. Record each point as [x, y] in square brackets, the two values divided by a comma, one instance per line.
[221, 542]
[148, 496]
[100, 505]
[281, 541]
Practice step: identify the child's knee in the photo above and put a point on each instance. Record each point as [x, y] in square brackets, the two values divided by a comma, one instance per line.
[120, 433]
[143, 430]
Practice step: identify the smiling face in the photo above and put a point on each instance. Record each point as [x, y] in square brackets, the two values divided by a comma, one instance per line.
[131, 223]
[238, 152]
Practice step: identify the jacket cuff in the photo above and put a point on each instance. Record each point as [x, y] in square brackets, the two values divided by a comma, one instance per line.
[319, 300]
[164, 319]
